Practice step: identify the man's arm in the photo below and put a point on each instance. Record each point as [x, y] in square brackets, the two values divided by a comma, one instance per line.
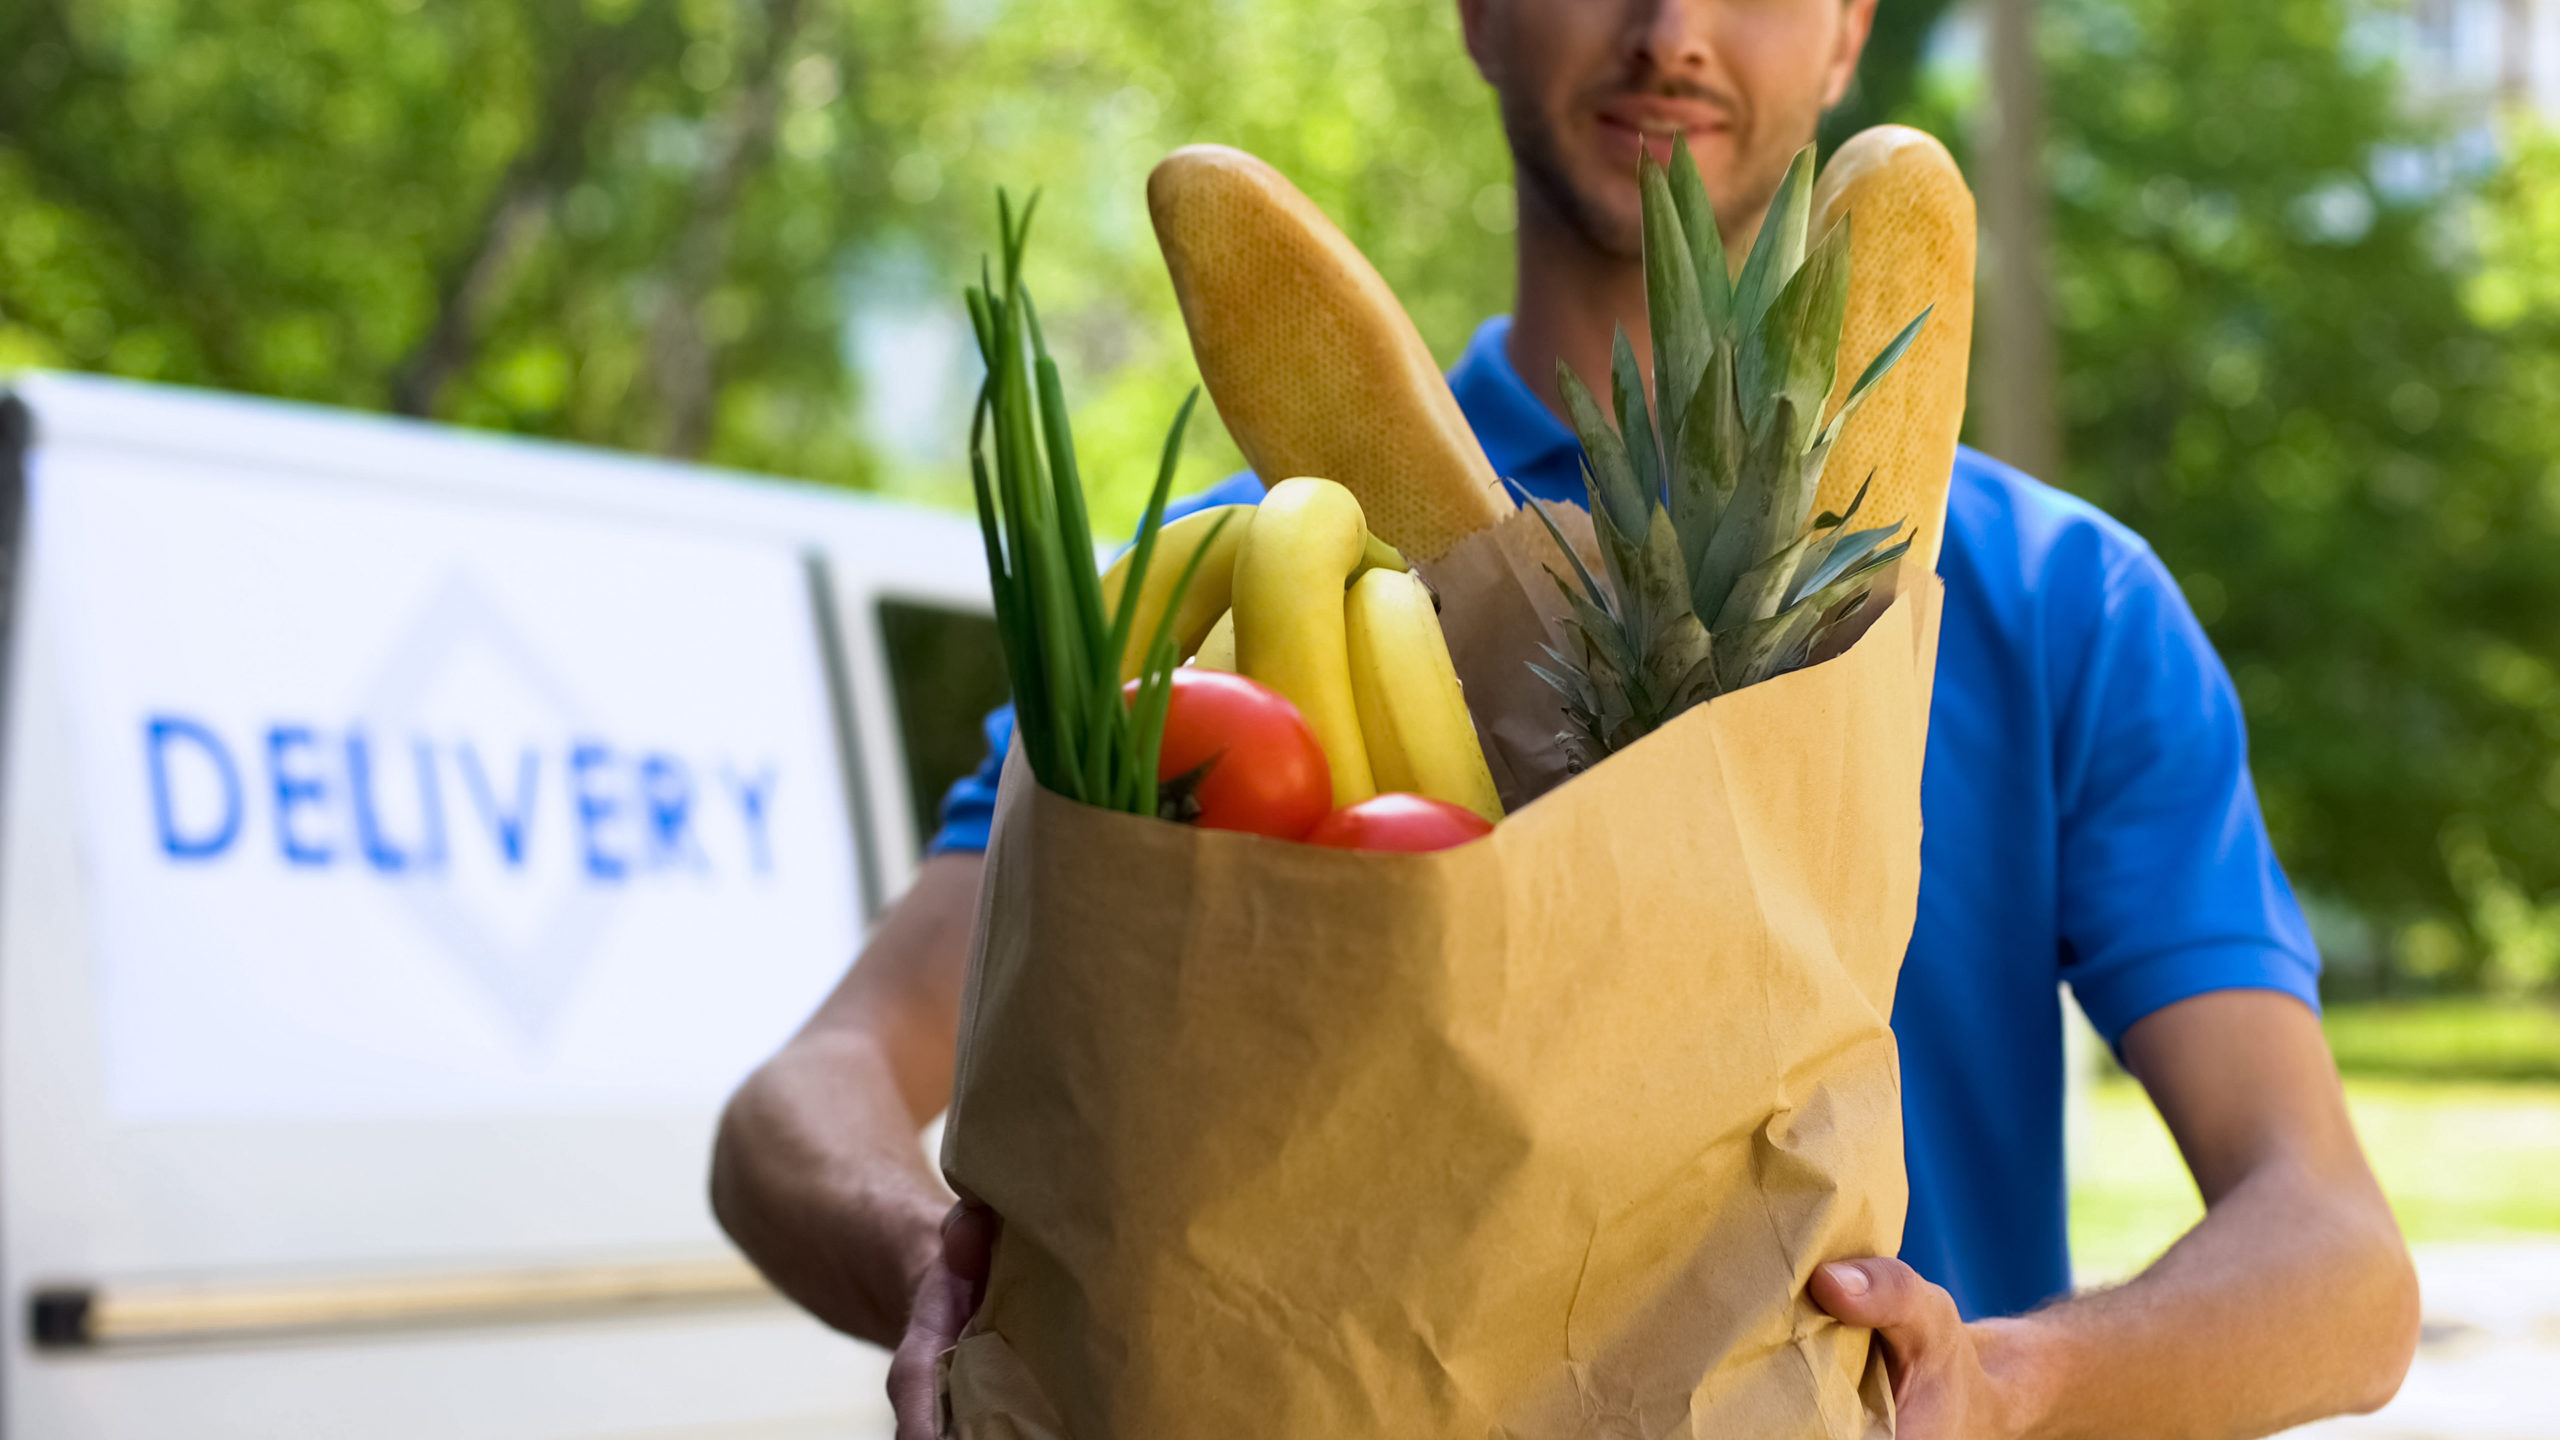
[2292, 1299]
[817, 1174]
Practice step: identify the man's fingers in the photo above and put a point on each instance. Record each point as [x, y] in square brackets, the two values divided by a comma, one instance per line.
[953, 1287]
[1872, 1293]
[1882, 1295]
[943, 1303]
[969, 1240]
[1908, 1313]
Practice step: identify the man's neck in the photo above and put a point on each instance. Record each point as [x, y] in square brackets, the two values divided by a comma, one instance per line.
[1573, 296]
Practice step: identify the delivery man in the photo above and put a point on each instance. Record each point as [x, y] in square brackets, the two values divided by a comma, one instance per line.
[2089, 819]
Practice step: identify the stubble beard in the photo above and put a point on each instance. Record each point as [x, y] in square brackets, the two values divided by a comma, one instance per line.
[1538, 162]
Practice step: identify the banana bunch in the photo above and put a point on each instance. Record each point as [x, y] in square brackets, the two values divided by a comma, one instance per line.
[1297, 594]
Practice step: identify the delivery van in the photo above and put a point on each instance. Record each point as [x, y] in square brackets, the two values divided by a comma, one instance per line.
[408, 837]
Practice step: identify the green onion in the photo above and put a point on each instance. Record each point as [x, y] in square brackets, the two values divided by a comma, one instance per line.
[1061, 651]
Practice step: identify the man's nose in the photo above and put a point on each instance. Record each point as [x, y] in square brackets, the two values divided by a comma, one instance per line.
[1671, 36]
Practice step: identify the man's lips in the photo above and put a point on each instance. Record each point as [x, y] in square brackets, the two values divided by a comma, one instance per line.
[1630, 123]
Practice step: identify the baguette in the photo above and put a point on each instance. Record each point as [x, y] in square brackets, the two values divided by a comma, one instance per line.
[1910, 249]
[1312, 363]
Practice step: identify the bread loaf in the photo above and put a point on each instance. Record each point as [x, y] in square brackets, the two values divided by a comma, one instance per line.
[1910, 248]
[1309, 357]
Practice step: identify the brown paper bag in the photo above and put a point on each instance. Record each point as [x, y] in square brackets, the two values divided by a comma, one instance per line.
[1536, 1138]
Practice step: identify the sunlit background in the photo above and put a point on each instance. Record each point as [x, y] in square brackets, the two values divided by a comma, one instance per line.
[2277, 283]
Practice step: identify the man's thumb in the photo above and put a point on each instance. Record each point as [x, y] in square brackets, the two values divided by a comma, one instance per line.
[1874, 1294]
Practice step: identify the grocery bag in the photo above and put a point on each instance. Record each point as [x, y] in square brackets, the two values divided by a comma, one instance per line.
[1538, 1137]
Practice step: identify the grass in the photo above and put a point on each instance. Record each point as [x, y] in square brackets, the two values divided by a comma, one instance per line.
[2460, 1161]
[2469, 1038]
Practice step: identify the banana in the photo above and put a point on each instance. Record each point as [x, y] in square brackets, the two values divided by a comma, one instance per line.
[1289, 578]
[1218, 652]
[1412, 713]
[1202, 604]
[1379, 555]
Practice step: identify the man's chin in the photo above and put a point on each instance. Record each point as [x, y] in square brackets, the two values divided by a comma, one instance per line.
[1611, 217]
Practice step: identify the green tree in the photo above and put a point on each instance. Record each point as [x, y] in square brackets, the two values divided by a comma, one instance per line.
[2272, 375]
[643, 223]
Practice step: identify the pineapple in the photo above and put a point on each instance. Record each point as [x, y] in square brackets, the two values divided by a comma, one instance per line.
[1718, 576]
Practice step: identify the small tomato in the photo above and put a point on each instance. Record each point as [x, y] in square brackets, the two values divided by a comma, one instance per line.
[1399, 822]
[1238, 756]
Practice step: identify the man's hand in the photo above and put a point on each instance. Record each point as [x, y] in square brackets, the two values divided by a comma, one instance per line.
[2291, 1300]
[953, 1286]
[1943, 1386]
[816, 1173]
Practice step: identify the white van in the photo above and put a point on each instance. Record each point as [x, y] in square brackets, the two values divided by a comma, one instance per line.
[407, 839]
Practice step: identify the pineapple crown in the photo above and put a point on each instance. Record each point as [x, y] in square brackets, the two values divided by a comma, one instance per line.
[1718, 574]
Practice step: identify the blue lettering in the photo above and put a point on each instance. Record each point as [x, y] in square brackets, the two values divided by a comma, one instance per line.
[753, 796]
[506, 827]
[204, 844]
[377, 847]
[666, 790]
[430, 806]
[294, 792]
[594, 811]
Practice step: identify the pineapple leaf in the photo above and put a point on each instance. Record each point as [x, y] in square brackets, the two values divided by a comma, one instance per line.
[1671, 292]
[1756, 648]
[1795, 350]
[1684, 651]
[1622, 556]
[1833, 520]
[1572, 557]
[1635, 425]
[1762, 589]
[1603, 637]
[1780, 246]
[1698, 685]
[1611, 476]
[1783, 641]
[1700, 490]
[1875, 372]
[1663, 577]
[1751, 517]
[1703, 467]
[1567, 682]
[1839, 557]
[1706, 242]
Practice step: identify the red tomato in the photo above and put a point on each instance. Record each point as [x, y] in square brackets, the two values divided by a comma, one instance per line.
[1238, 756]
[1399, 822]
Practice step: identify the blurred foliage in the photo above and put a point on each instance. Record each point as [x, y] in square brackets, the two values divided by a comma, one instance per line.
[599, 209]
[2308, 356]
[2451, 1038]
[1891, 77]
[2271, 374]
[2459, 1162]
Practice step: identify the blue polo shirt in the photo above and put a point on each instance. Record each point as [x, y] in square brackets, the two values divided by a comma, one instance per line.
[2089, 820]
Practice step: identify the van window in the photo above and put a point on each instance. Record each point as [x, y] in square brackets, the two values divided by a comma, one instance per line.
[946, 669]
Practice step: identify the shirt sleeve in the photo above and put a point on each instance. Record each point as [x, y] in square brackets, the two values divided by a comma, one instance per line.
[2169, 885]
[969, 807]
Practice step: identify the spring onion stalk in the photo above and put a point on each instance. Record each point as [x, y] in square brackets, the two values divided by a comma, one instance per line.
[1062, 652]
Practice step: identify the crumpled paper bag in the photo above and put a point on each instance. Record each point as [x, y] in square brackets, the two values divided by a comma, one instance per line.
[1536, 1138]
